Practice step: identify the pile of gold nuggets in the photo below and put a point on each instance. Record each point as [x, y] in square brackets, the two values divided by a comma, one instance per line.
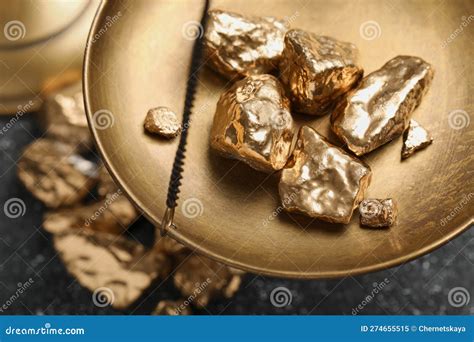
[89, 234]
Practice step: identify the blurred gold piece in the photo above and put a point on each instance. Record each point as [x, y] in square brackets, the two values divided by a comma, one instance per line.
[238, 46]
[253, 123]
[415, 138]
[111, 263]
[64, 117]
[377, 212]
[55, 174]
[379, 110]
[111, 215]
[106, 185]
[317, 69]
[322, 180]
[170, 246]
[202, 279]
[172, 308]
[162, 121]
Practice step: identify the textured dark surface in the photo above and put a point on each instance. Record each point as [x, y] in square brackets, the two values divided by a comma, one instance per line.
[418, 287]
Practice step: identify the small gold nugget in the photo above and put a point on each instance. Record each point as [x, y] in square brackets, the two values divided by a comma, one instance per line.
[253, 123]
[415, 138]
[162, 121]
[377, 212]
[379, 110]
[238, 46]
[55, 174]
[322, 180]
[317, 69]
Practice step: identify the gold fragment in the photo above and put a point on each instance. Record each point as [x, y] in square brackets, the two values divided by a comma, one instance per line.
[380, 109]
[64, 118]
[253, 123]
[170, 246]
[106, 184]
[322, 180]
[202, 279]
[238, 46]
[317, 70]
[415, 138]
[162, 121]
[172, 308]
[377, 212]
[120, 267]
[55, 174]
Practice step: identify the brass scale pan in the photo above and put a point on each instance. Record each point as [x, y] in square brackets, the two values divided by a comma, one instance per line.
[141, 61]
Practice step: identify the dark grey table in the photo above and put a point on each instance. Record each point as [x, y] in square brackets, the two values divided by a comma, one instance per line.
[418, 287]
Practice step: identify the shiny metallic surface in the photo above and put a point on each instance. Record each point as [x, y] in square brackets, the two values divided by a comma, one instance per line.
[64, 118]
[378, 213]
[317, 70]
[55, 174]
[114, 264]
[322, 180]
[162, 121]
[380, 108]
[415, 138]
[238, 45]
[236, 200]
[253, 123]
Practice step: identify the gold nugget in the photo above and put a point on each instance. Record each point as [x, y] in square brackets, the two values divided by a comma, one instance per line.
[64, 117]
[55, 174]
[379, 110]
[377, 212]
[317, 70]
[162, 121]
[415, 138]
[322, 180]
[253, 123]
[238, 46]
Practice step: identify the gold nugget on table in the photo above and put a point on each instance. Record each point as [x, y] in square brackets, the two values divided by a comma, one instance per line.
[377, 212]
[415, 138]
[317, 70]
[380, 109]
[162, 121]
[322, 180]
[64, 117]
[238, 46]
[55, 174]
[253, 123]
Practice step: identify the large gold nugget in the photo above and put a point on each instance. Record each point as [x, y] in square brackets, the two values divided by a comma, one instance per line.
[415, 138]
[317, 70]
[253, 123]
[378, 212]
[55, 174]
[64, 117]
[379, 110]
[238, 46]
[322, 180]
